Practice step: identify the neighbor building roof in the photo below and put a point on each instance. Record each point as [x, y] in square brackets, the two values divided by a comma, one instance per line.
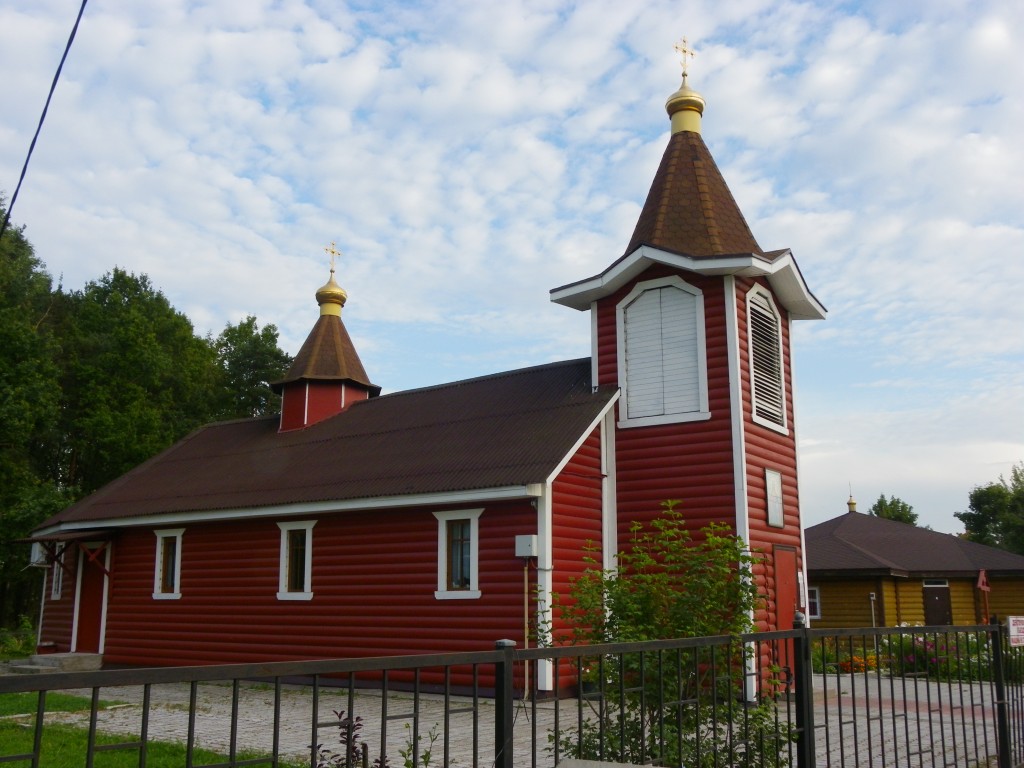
[859, 544]
[499, 431]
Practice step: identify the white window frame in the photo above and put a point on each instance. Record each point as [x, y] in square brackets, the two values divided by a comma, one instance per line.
[443, 518]
[776, 513]
[158, 564]
[756, 291]
[283, 592]
[814, 599]
[702, 413]
[57, 573]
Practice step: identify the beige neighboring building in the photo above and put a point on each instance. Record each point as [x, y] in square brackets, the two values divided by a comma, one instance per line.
[868, 571]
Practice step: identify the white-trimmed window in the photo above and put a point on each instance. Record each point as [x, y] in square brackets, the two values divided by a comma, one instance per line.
[57, 573]
[813, 603]
[296, 571]
[167, 564]
[773, 498]
[458, 546]
[768, 389]
[661, 353]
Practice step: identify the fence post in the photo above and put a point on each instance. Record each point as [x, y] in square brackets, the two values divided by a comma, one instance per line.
[503, 705]
[1002, 716]
[804, 685]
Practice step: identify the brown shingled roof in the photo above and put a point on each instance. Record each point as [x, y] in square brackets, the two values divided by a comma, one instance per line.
[856, 543]
[508, 429]
[328, 354]
[690, 209]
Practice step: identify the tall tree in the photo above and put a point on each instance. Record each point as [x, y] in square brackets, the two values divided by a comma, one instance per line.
[136, 378]
[995, 513]
[29, 399]
[249, 360]
[893, 508]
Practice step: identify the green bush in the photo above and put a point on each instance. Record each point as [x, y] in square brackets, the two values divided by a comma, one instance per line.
[18, 643]
[688, 706]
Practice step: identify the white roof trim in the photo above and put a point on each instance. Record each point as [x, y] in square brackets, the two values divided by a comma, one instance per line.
[583, 437]
[782, 273]
[529, 491]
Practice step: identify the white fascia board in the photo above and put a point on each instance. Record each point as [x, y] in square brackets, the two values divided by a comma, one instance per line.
[529, 491]
[586, 433]
[782, 273]
[791, 291]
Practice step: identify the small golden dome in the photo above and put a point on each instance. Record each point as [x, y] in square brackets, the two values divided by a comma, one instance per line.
[331, 297]
[685, 108]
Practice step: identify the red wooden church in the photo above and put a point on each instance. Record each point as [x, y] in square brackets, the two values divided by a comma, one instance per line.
[357, 523]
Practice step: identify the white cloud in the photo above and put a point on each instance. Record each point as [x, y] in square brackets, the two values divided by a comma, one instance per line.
[467, 157]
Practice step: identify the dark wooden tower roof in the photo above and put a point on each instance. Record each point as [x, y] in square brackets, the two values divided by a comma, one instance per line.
[689, 209]
[328, 354]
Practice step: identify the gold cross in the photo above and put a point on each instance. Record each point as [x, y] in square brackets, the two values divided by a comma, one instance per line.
[683, 49]
[332, 251]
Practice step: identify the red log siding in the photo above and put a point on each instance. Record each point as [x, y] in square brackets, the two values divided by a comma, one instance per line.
[691, 462]
[59, 615]
[307, 402]
[576, 519]
[768, 449]
[374, 577]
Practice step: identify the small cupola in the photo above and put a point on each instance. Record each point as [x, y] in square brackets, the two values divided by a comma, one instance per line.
[326, 376]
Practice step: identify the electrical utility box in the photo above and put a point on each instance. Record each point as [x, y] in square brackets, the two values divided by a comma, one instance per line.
[526, 546]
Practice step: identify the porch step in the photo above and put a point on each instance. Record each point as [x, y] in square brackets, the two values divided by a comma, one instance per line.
[57, 662]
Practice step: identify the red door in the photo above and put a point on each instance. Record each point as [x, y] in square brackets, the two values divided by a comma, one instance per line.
[93, 577]
[787, 601]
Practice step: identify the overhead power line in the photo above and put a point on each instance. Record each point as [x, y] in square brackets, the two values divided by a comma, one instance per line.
[42, 117]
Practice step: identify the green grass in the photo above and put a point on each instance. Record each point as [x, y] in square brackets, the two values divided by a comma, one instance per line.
[25, 703]
[64, 746]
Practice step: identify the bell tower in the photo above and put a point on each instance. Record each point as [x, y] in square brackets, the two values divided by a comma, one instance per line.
[692, 323]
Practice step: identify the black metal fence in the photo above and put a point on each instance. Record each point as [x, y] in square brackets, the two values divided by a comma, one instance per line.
[914, 696]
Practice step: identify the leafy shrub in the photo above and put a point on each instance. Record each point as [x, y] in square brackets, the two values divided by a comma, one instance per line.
[689, 708]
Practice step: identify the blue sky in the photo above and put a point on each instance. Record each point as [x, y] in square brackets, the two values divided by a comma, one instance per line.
[467, 157]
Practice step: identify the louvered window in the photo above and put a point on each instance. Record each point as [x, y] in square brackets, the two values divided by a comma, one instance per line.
[766, 360]
[661, 353]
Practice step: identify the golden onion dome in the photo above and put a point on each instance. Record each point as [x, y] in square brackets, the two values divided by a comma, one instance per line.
[330, 296]
[685, 106]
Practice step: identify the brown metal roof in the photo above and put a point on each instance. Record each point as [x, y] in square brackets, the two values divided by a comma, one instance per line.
[690, 209]
[859, 544]
[508, 429]
[328, 354]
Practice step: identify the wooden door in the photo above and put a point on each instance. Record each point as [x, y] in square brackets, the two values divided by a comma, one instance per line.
[92, 586]
[787, 599]
[937, 606]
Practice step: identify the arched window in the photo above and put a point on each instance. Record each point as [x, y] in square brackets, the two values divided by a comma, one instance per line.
[662, 359]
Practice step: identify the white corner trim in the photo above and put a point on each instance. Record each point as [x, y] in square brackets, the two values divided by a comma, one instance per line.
[739, 455]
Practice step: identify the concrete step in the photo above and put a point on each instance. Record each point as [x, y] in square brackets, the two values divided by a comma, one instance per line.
[23, 668]
[57, 662]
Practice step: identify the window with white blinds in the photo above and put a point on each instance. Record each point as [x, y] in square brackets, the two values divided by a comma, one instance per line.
[767, 385]
[661, 353]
